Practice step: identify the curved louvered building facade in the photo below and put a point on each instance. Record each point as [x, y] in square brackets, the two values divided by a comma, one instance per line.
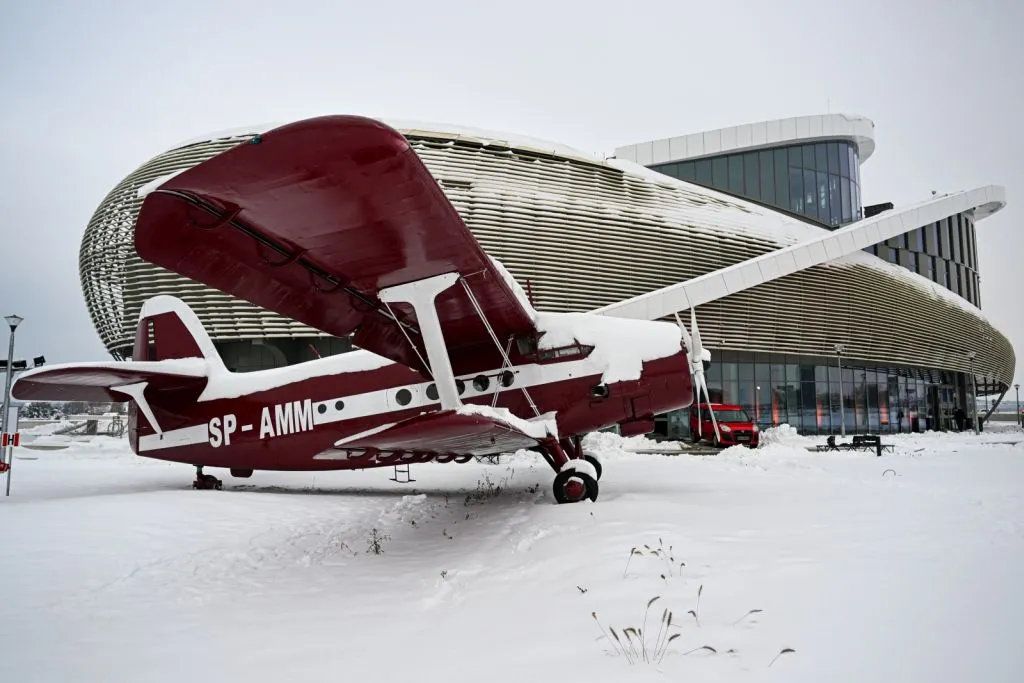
[581, 232]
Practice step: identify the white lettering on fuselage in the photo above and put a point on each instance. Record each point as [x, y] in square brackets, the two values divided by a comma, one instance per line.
[278, 420]
[221, 429]
[288, 418]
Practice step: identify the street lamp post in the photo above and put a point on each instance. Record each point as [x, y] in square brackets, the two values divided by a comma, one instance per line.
[1019, 421]
[842, 409]
[974, 396]
[12, 321]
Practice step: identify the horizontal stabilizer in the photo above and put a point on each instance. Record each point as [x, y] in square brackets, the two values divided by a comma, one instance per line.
[98, 382]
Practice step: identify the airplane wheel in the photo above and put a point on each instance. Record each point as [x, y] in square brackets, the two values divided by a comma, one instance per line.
[592, 459]
[572, 487]
[207, 481]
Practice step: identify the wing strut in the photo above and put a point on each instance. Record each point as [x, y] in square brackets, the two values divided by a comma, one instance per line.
[420, 295]
[506, 363]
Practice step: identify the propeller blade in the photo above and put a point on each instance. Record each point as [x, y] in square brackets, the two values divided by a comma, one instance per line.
[698, 347]
[697, 353]
[687, 340]
[714, 421]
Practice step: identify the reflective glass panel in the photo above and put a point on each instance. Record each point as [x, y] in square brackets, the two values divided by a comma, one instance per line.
[703, 168]
[810, 194]
[782, 197]
[736, 174]
[766, 167]
[720, 172]
[823, 210]
[821, 157]
[844, 187]
[833, 158]
[835, 206]
[751, 175]
[796, 190]
[844, 160]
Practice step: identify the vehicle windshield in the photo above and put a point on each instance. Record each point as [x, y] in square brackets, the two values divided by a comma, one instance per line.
[730, 416]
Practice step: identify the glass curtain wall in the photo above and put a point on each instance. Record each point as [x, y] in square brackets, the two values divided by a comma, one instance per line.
[945, 252]
[815, 396]
[819, 181]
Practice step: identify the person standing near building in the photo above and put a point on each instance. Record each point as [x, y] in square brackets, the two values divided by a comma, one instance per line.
[960, 417]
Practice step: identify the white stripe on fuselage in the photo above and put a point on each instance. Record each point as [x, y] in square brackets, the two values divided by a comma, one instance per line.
[381, 401]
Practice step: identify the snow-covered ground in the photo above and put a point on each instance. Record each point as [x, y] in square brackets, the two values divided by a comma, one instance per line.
[900, 568]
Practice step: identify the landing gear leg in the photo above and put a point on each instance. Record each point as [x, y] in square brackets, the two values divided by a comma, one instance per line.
[573, 447]
[576, 477]
[205, 481]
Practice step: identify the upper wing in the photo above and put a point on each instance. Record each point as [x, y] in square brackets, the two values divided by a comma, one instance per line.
[97, 382]
[313, 218]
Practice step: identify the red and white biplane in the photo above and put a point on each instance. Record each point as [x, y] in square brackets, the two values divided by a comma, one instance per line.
[336, 222]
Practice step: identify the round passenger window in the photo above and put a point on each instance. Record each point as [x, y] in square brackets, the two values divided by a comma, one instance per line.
[322, 408]
[339, 405]
[460, 386]
[404, 397]
[480, 383]
[507, 377]
[432, 392]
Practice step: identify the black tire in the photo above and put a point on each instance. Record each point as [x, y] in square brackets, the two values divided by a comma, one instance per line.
[241, 473]
[594, 461]
[562, 478]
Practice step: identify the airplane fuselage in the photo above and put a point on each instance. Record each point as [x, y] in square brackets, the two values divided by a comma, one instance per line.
[299, 417]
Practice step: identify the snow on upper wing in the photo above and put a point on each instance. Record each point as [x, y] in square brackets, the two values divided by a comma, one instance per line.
[621, 346]
[312, 219]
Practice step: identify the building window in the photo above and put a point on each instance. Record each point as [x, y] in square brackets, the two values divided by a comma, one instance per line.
[808, 157]
[821, 157]
[810, 194]
[782, 192]
[833, 158]
[735, 174]
[844, 186]
[703, 170]
[751, 177]
[835, 205]
[766, 166]
[720, 172]
[796, 190]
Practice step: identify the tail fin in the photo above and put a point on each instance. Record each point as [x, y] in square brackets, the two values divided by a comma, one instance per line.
[168, 329]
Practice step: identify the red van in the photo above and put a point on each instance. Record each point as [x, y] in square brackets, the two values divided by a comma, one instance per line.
[734, 424]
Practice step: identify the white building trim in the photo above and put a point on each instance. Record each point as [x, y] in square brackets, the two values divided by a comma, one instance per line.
[830, 246]
[753, 136]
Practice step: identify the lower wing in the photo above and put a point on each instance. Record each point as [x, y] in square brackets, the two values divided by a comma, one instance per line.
[471, 430]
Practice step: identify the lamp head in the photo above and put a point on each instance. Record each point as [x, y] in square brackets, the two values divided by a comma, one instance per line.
[13, 321]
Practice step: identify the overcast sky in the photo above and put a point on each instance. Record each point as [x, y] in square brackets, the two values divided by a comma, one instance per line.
[89, 90]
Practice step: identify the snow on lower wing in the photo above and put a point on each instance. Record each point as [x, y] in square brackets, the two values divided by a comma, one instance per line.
[537, 428]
